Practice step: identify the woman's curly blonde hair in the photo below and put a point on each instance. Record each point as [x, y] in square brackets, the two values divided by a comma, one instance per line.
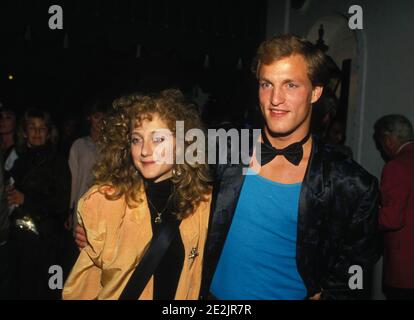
[115, 168]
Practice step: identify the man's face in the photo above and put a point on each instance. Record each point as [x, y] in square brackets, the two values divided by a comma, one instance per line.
[286, 96]
[96, 120]
[389, 144]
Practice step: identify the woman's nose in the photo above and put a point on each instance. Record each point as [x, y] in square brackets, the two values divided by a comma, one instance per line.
[146, 149]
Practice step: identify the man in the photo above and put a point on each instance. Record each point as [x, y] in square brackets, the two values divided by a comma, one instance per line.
[395, 135]
[294, 230]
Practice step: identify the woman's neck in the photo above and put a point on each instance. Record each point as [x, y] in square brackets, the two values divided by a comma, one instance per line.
[165, 176]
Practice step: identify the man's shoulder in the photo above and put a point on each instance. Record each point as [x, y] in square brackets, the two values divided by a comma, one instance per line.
[401, 165]
[343, 165]
[81, 142]
[82, 145]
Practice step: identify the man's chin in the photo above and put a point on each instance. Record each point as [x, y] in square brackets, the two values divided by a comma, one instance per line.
[279, 132]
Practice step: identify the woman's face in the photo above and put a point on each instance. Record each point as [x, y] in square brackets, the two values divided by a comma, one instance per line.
[7, 122]
[36, 132]
[153, 148]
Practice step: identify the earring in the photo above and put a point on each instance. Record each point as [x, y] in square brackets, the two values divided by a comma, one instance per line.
[176, 172]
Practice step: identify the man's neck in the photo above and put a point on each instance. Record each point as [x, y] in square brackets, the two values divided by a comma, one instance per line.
[281, 142]
[94, 134]
[280, 169]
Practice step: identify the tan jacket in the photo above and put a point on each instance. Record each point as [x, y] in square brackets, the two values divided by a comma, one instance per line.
[118, 237]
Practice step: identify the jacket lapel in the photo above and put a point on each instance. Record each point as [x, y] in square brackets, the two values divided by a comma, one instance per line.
[313, 206]
[225, 197]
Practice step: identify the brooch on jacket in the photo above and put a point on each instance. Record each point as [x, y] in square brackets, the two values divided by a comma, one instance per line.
[193, 254]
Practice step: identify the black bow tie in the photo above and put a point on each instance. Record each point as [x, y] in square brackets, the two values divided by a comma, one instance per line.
[293, 153]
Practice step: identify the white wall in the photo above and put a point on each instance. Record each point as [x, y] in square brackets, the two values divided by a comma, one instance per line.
[385, 64]
[385, 41]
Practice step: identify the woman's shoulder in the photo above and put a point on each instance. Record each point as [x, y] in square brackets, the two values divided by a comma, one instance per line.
[95, 204]
[97, 193]
[203, 206]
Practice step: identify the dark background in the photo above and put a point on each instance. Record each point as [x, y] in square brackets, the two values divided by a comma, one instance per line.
[174, 36]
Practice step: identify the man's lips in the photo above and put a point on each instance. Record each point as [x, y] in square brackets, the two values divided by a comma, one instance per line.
[278, 113]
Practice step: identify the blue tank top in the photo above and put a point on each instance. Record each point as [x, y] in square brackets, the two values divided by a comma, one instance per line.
[258, 261]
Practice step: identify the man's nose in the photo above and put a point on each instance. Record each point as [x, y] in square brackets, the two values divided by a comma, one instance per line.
[278, 96]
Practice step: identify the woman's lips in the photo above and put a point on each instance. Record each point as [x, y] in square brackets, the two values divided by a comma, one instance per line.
[147, 163]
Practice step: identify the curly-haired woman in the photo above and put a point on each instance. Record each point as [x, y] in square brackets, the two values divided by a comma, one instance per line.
[135, 194]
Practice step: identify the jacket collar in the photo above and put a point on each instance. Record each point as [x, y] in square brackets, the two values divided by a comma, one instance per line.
[405, 147]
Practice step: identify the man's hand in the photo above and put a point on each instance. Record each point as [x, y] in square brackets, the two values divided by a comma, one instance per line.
[15, 197]
[80, 237]
[316, 296]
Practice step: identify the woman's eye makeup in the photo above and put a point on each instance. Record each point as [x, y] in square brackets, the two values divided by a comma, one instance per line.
[136, 140]
[158, 139]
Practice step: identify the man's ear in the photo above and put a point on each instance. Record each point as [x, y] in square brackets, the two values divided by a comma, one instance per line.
[316, 93]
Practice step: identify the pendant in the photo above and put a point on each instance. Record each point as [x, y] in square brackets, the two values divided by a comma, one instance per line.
[158, 219]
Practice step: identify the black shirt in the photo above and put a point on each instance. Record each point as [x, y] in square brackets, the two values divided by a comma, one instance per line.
[168, 272]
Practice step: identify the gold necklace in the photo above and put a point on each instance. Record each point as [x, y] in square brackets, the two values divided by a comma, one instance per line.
[158, 219]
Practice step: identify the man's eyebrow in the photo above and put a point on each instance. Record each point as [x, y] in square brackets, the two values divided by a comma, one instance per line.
[264, 79]
[289, 80]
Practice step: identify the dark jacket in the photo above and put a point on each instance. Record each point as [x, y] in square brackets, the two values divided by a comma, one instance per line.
[44, 179]
[4, 212]
[337, 222]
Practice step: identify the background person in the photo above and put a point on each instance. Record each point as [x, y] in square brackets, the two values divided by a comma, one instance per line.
[40, 196]
[395, 136]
